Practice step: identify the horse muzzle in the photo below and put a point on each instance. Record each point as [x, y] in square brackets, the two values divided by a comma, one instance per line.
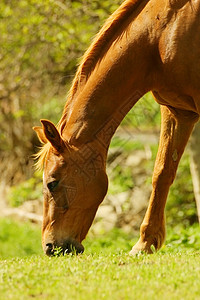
[68, 246]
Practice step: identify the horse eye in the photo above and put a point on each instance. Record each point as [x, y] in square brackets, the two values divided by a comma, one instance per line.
[52, 185]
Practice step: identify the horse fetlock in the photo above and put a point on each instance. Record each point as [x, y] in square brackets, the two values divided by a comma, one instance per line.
[149, 241]
[141, 247]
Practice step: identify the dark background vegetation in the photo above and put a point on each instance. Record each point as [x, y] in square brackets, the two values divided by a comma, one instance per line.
[41, 43]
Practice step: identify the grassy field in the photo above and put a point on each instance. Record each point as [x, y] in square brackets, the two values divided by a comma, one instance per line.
[104, 271]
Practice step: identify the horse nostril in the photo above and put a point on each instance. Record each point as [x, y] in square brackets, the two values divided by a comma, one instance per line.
[49, 245]
[49, 249]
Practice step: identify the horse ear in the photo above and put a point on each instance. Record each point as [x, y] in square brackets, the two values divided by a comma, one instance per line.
[52, 135]
[40, 134]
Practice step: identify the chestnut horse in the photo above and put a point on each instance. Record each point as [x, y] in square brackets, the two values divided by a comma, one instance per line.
[146, 45]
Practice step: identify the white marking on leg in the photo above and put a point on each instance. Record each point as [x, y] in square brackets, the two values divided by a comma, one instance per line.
[175, 155]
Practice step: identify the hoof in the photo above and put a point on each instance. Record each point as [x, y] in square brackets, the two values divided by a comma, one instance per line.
[140, 249]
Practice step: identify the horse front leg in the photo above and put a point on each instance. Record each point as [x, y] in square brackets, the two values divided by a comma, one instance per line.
[176, 127]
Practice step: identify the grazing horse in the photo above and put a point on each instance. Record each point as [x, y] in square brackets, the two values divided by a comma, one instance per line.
[146, 45]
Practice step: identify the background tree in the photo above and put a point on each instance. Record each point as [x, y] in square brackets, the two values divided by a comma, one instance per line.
[41, 42]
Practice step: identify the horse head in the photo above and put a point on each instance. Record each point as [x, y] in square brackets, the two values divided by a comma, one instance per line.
[75, 183]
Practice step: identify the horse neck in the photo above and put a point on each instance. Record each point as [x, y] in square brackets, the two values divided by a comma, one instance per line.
[100, 107]
[117, 82]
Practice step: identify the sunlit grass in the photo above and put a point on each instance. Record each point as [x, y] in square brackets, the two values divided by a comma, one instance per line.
[104, 271]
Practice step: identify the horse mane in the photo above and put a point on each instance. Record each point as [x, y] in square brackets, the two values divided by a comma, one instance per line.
[40, 156]
[96, 49]
[89, 61]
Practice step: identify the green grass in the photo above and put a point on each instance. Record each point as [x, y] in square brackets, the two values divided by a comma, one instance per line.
[113, 276]
[104, 271]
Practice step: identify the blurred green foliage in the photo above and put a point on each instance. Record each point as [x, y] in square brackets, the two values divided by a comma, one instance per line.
[144, 115]
[121, 179]
[30, 189]
[41, 44]
[183, 237]
[19, 239]
[181, 205]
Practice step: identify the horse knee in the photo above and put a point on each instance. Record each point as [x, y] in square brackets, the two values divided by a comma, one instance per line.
[163, 178]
